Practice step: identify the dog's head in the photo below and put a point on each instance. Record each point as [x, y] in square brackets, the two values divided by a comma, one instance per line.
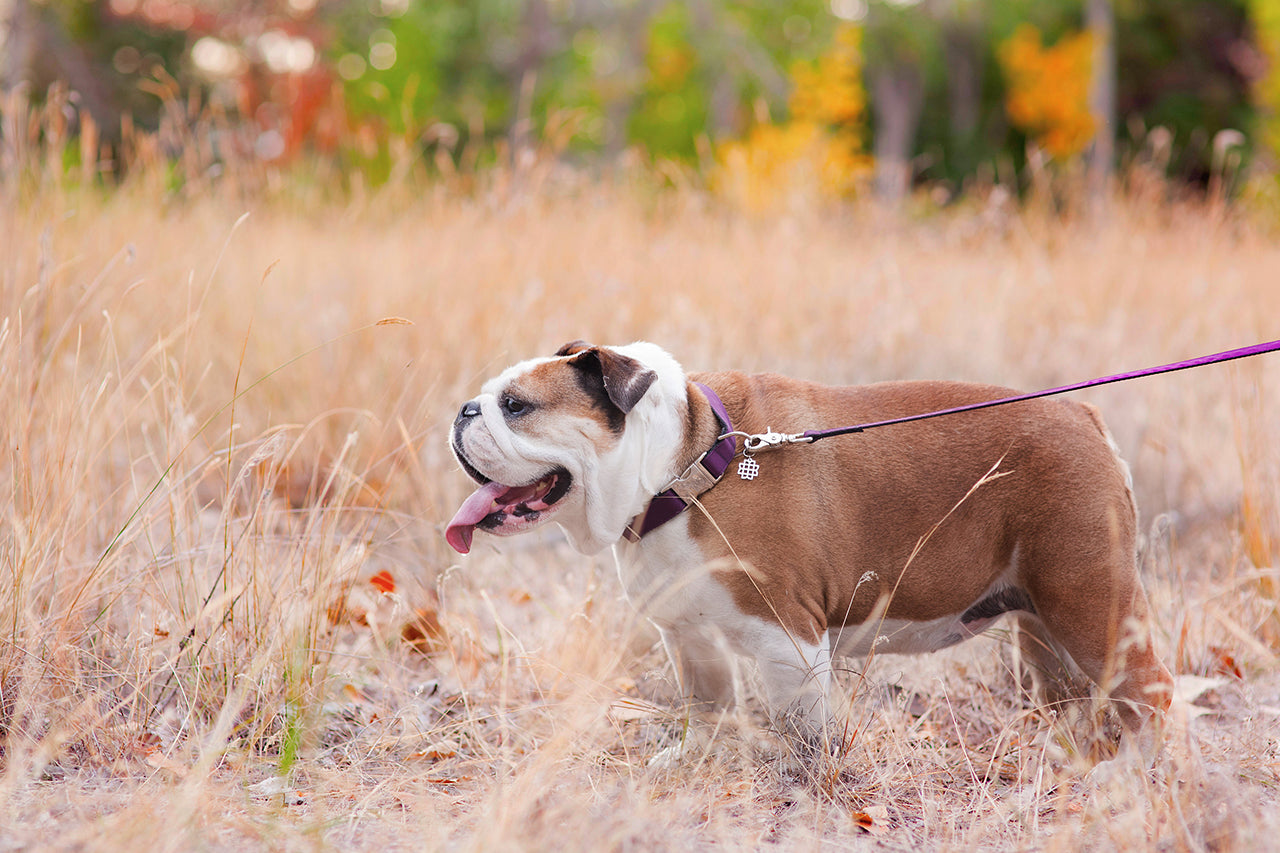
[584, 437]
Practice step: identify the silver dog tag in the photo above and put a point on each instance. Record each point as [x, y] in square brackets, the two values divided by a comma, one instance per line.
[748, 468]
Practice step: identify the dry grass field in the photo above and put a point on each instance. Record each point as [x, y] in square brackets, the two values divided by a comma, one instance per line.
[229, 619]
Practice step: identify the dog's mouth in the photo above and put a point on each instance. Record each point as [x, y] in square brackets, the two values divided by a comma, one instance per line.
[505, 510]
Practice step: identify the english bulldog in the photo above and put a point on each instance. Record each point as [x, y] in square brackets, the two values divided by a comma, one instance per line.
[911, 538]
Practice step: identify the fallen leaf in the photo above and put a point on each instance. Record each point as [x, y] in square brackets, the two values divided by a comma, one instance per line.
[1222, 662]
[147, 743]
[437, 751]
[383, 582]
[355, 694]
[338, 613]
[623, 710]
[873, 820]
[446, 780]
[423, 631]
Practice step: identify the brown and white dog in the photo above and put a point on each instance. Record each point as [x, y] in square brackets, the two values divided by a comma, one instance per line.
[880, 540]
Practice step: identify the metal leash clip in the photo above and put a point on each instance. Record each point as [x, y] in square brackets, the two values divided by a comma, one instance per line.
[754, 443]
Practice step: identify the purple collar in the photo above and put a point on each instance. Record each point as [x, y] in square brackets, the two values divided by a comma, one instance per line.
[696, 479]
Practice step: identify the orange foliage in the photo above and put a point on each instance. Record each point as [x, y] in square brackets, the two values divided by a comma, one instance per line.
[819, 151]
[1048, 89]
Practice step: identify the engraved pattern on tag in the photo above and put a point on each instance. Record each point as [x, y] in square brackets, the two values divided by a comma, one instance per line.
[748, 468]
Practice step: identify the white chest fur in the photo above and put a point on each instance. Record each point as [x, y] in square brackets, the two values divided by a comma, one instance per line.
[666, 577]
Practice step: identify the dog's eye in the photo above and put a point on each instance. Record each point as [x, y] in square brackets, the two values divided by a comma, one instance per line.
[513, 406]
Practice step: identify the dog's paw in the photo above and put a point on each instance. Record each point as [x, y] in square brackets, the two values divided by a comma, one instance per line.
[691, 745]
[668, 757]
[1114, 772]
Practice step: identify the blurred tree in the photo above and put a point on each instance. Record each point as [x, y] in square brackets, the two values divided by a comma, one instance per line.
[464, 79]
[1264, 68]
[1100, 23]
[408, 65]
[964, 45]
[615, 39]
[901, 40]
[1183, 65]
[672, 106]
[1047, 89]
[818, 152]
[44, 43]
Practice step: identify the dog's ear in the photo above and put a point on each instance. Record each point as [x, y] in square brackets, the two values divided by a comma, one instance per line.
[573, 348]
[623, 379]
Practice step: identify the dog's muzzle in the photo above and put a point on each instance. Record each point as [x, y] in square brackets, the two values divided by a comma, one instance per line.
[497, 507]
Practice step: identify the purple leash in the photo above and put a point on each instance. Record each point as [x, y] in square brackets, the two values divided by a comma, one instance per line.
[711, 466]
[756, 443]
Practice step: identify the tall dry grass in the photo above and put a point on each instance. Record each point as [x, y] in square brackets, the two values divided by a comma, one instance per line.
[228, 617]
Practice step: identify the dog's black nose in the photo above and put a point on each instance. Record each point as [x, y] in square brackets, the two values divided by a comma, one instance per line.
[470, 409]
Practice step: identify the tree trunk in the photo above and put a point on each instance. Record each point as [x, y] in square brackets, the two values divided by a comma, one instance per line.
[17, 44]
[1100, 22]
[964, 82]
[962, 49]
[898, 92]
[629, 30]
[537, 39]
[35, 49]
[714, 55]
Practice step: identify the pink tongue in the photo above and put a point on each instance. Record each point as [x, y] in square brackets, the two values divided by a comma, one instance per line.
[471, 513]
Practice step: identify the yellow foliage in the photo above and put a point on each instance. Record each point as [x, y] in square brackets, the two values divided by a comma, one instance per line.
[1265, 16]
[818, 152]
[829, 91]
[1048, 89]
[669, 64]
[775, 162]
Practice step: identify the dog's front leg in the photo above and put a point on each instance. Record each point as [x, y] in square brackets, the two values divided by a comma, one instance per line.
[706, 680]
[703, 667]
[796, 675]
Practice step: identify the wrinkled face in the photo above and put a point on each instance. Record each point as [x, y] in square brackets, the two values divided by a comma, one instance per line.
[547, 438]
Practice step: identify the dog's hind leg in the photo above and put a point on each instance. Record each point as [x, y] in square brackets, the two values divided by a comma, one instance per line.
[1046, 671]
[1092, 606]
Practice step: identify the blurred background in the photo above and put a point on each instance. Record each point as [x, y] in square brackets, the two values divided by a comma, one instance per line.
[254, 255]
[751, 99]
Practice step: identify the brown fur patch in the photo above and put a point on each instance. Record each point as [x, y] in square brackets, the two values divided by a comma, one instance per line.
[822, 516]
[554, 392]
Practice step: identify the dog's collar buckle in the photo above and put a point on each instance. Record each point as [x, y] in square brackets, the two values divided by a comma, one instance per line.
[704, 473]
[695, 480]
